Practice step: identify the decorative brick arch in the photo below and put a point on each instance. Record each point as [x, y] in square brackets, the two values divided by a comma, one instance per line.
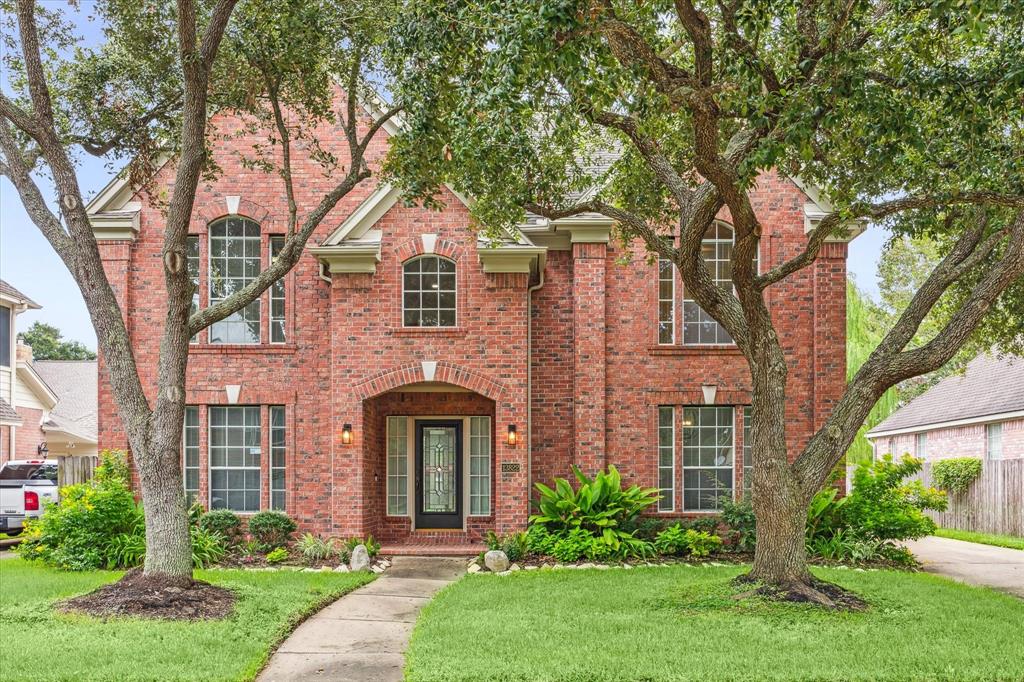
[215, 208]
[412, 373]
[414, 247]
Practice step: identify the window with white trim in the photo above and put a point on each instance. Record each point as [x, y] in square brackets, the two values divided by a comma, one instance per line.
[190, 454]
[708, 450]
[921, 446]
[192, 265]
[278, 447]
[480, 466]
[428, 292]
[699, 328]
[397, 466]
[667, 457]
[234, 263]
[994, 441]
[235, 458]
[277, 332]
[748, 451]
[666, 301]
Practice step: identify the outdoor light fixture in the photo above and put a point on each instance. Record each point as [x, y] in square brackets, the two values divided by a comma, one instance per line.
[512, 437]
[42, 450]
[346, 434]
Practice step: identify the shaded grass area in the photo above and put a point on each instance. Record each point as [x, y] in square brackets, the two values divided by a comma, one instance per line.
[40, 644]
[1008, 541]
[681, 623]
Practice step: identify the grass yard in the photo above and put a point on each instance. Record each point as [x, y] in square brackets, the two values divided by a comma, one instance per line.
[981, 538]
[679, 623]
[40, 644]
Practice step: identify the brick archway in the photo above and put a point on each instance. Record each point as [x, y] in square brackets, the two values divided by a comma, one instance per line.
[416, 372]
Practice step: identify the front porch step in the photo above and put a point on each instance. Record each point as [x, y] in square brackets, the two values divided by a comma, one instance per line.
[424, 549]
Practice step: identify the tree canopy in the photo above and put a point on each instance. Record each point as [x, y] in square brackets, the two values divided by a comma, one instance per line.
[48, 344]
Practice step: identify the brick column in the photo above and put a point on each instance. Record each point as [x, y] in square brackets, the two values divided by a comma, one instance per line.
[116, 255]
[589, 355]
[829, 331]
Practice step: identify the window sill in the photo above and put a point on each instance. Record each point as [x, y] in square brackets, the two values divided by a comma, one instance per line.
[694, 350]
[430, 331]
[241, 349]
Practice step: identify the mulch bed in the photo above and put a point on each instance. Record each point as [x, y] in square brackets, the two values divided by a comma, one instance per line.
[155, 597]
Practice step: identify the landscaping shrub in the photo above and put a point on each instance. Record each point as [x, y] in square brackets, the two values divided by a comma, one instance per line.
[208, 547]
[883, 506]
[843, 545]
[540, 541]
[678, 541]
[223, 521]
[271, 529]
[956, 475]
[572, 545]
[739, 519]
[514, 545]
[314, 549]
[372, 546]
[645, 527]
[276, 556]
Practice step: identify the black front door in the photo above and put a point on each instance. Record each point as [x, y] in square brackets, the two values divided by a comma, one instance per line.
[438, 474]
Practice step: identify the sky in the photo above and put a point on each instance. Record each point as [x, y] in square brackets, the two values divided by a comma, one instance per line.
[29, 263]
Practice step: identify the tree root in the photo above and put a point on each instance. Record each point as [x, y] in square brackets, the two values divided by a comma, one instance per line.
[818, 592]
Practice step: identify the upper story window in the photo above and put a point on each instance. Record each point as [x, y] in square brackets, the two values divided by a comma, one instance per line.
[698, 328]
[921, 446]
[276, 296]
[5, 336]
[428, 292]
[234, 263]
[192, 264]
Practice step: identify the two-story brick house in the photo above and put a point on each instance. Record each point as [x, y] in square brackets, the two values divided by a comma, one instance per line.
[409, 380]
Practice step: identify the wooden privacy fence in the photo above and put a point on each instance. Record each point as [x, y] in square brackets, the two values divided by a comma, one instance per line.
[994, 503]
[74, 469]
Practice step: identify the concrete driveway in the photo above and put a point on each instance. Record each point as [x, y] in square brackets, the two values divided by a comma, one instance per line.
[972, 563]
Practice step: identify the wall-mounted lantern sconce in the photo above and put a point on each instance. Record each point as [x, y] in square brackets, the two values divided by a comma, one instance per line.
[42, 450]
[513, 437]
[346, 434]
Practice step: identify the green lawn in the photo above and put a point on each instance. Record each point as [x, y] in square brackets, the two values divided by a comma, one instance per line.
[981, 538]
[679, 623]
[40, 644]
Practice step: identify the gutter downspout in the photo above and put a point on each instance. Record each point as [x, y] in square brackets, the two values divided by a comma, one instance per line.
[529, 382]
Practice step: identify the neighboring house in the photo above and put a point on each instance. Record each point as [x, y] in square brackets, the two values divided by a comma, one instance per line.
[977, 414]
[47, 407]
[409, 380]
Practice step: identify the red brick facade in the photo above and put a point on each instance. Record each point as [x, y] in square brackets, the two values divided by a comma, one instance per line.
[569, 356]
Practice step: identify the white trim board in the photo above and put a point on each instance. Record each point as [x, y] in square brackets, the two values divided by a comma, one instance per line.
[920, 428]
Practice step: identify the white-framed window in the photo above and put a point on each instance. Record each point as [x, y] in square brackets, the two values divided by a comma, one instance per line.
[994, 440]
[5, 336]
[277, 331]
[278, 448]
[708, 452]
[921, 445]
[428, 292]
[398, 466]
[667, 457]
[234, 433]
[699, 328]
[234, 262]
[748, 450]
[192, 265]
[666, 302]
[190, 453]
[479, 466]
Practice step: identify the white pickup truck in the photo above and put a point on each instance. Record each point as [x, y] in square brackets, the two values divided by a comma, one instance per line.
[24, 485]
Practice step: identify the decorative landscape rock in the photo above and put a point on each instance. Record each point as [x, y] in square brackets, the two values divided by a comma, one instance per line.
[360, 560]
[341, 569]
[473, 568]
[496, 561]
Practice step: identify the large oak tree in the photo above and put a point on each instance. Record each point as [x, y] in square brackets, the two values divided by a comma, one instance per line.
[147, 94]
[903, 111]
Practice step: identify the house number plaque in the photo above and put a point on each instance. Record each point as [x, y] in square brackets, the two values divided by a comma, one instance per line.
[510, 467]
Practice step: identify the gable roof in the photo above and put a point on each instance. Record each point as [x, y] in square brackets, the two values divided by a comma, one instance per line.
[75, 383]
[11, 294]
[990, 387]
[8, 415]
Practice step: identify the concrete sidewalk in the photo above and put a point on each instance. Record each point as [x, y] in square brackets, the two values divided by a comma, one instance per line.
[972, 563]
[363, 635]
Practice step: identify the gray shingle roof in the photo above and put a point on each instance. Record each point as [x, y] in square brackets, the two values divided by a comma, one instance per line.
[7, 290]
[990, 386]
[8, 414]
[75, 383]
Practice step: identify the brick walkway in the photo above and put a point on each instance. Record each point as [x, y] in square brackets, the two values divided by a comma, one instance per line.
[363, 636]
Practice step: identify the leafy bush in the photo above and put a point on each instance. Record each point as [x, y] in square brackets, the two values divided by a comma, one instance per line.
[842, 545]
[313, 549]
[824, 514]
[883, 506]
[271, 529]
[372, 546]
[741, 523]
[208, 547]
[276, 556]
[645, 527]
[223, 521]
[572, 545]
[514, 545]
[678, 541]
[540, 541]
[80, 532]
[956, 475]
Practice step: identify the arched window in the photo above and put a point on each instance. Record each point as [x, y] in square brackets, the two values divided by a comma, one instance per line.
[234, 263]
[428, 292]
[699, 328]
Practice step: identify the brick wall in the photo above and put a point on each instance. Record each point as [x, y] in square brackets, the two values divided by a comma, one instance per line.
[29, 435]
[955, 441]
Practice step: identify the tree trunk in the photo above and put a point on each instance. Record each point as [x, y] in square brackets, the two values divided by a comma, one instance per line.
[168, 544]
[780, 556]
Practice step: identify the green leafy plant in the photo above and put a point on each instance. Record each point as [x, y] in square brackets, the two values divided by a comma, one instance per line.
[572, 545]
[208, 547]
[678, 541]
[271, 529]
[314, 549]
[249, 549]
[276, 556]
[514, 545]
[738, 518]
[884, 506]
[539, 540]
[824, 514]
[956, 475]
[223, 521]
[372, 546]
[127, 550]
